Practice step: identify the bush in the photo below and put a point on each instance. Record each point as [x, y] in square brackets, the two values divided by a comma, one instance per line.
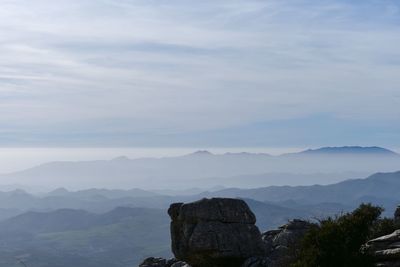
[337, 241]
[382, 227]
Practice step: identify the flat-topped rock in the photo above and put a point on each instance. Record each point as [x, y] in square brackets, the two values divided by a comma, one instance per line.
[214, 232]
[225, 210]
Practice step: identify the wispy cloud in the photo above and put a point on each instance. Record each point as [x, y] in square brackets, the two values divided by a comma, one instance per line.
[98, 68]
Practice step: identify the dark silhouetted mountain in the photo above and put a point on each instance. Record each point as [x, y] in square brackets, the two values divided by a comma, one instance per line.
[96, 200]
[64, 238]
[62, 228]
[380, 187]
[43, 222]
[58, 192]
[200, 153]
[120, 237]
[277, 179]
[353, 150]
[69, 219]
[108, 193]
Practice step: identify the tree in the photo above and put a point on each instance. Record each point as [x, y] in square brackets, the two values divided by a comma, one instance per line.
[337, 241]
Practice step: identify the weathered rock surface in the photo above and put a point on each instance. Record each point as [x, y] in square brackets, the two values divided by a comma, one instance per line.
[283, 244]
[214, 232]
[258, 262]
[221, 232]
[385, 249]
[154, 262]
[161, 262]
[180, 264]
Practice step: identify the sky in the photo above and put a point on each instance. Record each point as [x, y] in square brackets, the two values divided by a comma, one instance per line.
[223, 73]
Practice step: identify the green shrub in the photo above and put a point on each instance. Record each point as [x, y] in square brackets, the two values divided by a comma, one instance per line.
[337, 241]
[382, 227]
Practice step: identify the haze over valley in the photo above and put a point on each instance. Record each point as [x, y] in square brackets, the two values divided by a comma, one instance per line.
[99, 215]
[203, 169]
[105, 227]
[147, 133]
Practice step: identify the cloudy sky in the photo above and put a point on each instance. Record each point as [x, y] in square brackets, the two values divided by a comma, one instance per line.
[199, 73]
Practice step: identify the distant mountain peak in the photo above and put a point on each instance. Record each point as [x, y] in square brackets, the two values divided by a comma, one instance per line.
[201, 153]
[59, 191]
[16, 192]
[121, 158]
[351, 150]
[245, 154]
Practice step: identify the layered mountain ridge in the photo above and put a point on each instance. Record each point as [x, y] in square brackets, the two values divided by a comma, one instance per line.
[323, 166]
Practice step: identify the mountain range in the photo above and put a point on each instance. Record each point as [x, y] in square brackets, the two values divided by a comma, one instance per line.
[205, 170]
[118, 228]
[379, 188]
[94, 225]
[63, 238]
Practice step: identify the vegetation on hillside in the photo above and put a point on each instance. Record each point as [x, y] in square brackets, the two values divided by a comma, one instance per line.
[336, 241]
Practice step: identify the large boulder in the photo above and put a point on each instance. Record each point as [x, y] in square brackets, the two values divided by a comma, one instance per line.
[214, 232]
[385, 249]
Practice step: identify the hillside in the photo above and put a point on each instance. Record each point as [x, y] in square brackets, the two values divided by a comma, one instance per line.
[84, 228]
[77, 238]
[121, 237]
[379, 188]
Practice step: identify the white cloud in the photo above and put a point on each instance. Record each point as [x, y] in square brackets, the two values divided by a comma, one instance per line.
[181, 66]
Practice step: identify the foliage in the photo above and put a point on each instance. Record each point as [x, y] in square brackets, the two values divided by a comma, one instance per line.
[337, 241]
[382, 227]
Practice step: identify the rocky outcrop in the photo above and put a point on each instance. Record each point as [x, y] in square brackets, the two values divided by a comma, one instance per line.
[160, 262]
[221, 232]
[214, 232]
[281, 245]
[385, 250]
[180, 264]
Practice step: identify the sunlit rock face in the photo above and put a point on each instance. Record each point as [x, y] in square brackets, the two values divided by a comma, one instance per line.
[385, 249]
[214, 232]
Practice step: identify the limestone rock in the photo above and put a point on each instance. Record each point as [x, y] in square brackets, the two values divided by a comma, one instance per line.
[180, 264]
[282, 244]
[160, 262]
[385, 249]
[214, 232]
